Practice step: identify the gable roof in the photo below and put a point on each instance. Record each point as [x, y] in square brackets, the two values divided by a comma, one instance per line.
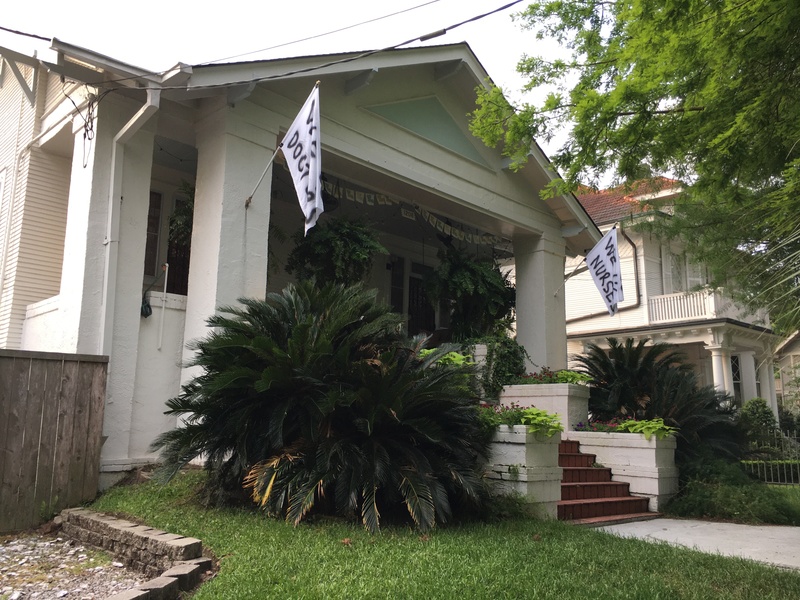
[623, 201]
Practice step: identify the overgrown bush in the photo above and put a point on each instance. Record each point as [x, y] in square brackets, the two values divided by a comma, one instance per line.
[316, 399]
[720, 489]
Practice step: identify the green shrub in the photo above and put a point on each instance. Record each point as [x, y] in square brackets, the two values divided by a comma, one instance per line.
[545, 375]
[715, 488]
[315, 397]
[505, 363]
[537, 419]
[757, 417]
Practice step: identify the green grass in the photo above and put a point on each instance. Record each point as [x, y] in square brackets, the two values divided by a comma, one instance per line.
[263, 558]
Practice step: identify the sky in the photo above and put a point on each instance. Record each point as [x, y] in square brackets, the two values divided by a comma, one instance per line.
[157, 35]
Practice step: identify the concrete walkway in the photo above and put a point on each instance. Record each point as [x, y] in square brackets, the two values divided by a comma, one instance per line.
[763, 543]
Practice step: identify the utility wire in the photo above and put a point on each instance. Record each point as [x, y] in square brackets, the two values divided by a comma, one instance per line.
[349, 59]
[30, 35]
[319, 35]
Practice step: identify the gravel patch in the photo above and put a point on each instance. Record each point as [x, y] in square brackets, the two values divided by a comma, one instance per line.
[49, 567]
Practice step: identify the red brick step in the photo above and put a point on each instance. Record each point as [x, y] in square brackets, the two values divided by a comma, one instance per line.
[600, 507]
[589, 496]
[594, 489]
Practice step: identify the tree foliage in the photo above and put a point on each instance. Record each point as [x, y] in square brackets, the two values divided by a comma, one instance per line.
[704, 91]
[315, 398]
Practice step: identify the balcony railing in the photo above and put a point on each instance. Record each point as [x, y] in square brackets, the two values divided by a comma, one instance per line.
[704, 304]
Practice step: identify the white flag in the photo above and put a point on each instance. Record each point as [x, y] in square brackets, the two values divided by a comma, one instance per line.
[303, 153]
[603, 261]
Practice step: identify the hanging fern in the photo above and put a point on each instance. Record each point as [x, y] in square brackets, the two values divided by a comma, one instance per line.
[339, 251]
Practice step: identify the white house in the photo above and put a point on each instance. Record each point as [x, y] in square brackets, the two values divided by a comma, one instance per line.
[665, 300]
[93, 153]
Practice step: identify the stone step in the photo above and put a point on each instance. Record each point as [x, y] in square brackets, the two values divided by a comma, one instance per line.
[569, 510]
[594, 489]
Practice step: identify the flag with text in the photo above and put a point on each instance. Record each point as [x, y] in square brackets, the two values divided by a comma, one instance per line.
[603, 262]
[301, 147]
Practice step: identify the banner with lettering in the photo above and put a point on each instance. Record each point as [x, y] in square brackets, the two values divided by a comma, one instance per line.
[603, 262]
[301, 147]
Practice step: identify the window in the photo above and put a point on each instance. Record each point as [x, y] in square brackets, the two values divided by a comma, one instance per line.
[679, 273]
[736, 371]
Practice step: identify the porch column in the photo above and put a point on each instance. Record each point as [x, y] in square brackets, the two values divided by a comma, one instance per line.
[721, 368]
[82, 267]
[134, 167]
[767, 377]
[229, 239]
[747, 368]
[541, 316]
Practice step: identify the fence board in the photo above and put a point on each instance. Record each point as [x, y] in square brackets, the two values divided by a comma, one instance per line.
[31, 437]
[94, 431]
[64, 430]
[44, 499]
[77, 451]
[6, 382]
[14, 437]
[51, 415]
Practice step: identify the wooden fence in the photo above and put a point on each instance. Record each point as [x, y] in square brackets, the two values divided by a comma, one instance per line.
[51, 422]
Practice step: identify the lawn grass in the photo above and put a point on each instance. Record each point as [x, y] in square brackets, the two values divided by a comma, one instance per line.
[263, 558]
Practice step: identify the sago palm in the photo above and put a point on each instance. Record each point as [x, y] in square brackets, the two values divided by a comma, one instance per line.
[267, 368]
[624, 376]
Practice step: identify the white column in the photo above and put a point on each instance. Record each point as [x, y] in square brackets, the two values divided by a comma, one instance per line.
[135, 172]
[82, 267]
[541, 316]
[747, 369]
[721, 368]
[229, 240]
[767, 377]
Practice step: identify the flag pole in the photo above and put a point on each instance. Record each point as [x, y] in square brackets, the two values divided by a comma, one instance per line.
[264, 174]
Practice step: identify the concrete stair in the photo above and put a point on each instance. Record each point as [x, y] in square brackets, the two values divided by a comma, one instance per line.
[589, 496]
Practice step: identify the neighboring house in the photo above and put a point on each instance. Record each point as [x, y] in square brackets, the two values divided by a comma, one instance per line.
[665, 300]
[787, 372]
[93, 153]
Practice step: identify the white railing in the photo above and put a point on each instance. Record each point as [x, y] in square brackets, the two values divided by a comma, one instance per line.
[680, 307]
[704, 304]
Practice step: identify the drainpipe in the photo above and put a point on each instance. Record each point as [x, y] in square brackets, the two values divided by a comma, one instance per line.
[638, 302]
[111, 241]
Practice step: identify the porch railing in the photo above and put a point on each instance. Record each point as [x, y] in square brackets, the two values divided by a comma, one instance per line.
[704, 304]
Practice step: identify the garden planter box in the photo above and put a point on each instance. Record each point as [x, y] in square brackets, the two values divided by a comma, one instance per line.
[647, 465]
[569, 401]
[526, 464]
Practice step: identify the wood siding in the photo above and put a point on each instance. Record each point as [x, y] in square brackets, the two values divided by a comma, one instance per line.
[39, 182]
[51, 423]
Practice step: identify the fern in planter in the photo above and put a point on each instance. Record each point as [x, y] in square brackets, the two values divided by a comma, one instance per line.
[339, 251]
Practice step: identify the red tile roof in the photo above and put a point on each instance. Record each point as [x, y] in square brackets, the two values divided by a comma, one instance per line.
[608, 206]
